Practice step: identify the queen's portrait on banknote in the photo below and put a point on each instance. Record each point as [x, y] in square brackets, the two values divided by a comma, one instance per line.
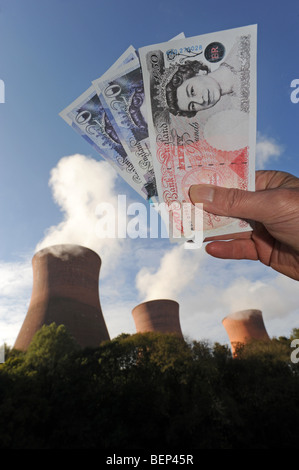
[193, 87]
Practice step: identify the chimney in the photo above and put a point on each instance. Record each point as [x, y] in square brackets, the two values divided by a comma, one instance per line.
[157, 315]
[65, 291]
[245, 326]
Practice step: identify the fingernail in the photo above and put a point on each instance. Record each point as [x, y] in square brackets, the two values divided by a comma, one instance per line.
[201, 193]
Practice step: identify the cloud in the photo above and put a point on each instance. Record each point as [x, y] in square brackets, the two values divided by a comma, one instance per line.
[277, 297]
[208, 289]
[133, 271]
[79, 185]
[266, 150]
[15, 289]
[176, 270]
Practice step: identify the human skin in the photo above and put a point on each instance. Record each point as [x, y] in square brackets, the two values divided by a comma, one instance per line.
[274, 208]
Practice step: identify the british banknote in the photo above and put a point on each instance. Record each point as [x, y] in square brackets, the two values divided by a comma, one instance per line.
[201, 104]
[121, 92]
[87, 116]
[122, 95]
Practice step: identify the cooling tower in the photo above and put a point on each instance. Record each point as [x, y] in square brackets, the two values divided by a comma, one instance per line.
[245, 326]
[65, 291]
[157, 315]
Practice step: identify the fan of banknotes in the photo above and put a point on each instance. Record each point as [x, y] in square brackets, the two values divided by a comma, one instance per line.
[174, 114]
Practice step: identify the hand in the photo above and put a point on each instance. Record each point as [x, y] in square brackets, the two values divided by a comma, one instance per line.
[274, 207]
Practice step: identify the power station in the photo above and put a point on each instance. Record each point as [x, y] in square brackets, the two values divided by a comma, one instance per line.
[157, 315]
[66, 292]
[245, 326]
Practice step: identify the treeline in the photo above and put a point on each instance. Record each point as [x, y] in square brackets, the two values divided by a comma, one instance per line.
[148, 391]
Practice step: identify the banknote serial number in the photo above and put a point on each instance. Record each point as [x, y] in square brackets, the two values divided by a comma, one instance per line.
[183, 50]
[171, 53]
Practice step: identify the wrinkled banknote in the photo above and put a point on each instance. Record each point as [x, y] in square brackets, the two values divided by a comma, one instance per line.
[201, 104]
[87, 116]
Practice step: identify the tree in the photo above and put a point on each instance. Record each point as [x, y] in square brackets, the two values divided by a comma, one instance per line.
[148, 391]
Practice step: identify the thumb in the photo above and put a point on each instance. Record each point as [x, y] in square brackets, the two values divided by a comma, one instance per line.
[232, 202]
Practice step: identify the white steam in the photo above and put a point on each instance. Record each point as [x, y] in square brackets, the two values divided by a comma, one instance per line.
[133, 271]
[78, 185]
[208, 290]
[177, 269]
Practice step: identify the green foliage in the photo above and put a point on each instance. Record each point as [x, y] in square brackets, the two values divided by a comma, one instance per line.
[294, 334]
[51, 346]
[148, 391]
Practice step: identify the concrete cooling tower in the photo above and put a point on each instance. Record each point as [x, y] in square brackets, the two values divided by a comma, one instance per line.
[65, 291]
[245, 326]
[159, 316]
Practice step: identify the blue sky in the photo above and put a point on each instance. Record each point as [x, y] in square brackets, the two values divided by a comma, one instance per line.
[50, 51]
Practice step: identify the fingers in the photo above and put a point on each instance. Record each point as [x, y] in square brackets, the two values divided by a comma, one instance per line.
[234, 249]
[232, 202]
[270, 179]
[231, 236]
